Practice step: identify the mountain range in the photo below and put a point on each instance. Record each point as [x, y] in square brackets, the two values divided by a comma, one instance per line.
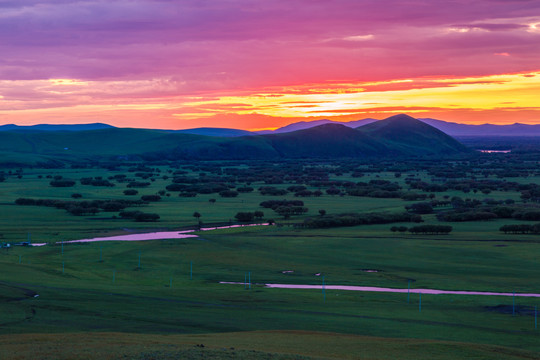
[449, 128]
[396, 136]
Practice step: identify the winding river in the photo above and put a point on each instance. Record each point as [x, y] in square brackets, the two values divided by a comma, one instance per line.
[390, 290]
[157, 235]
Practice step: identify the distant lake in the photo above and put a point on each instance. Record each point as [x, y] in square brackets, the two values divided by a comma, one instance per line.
[495, 151]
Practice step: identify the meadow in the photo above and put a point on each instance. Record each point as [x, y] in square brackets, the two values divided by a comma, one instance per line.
[163, 299]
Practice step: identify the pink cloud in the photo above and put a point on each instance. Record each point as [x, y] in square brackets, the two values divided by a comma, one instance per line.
[493, 26]
[225, 44]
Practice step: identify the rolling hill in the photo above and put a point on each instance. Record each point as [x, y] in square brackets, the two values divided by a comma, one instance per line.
[404, 134]
[325, 141]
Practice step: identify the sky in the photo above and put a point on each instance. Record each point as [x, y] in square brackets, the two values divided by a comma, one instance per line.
[254, 65]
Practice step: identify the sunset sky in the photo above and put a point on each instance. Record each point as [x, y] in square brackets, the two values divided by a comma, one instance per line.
[253, 64]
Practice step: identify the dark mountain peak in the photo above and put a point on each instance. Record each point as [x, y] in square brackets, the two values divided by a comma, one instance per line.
[324, 141]
[398, 124]
[401, 117]
[401, 120]
[409, 134]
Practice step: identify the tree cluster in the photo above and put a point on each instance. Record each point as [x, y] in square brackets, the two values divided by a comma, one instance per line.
[244, 189]
[139, 216]
[287, 211]
[138, 184]
[376, 189]
[420, 208]
[353, 219]
[285, 208]
[62, 183]
[228, 193]
[521, 229]
[273, 204]
[430, 229]
[474, 210]
[271, 190]
[151, 198]
[466, 215]
[97, 181]
[398, 228]
[249, 216]
[82, 207]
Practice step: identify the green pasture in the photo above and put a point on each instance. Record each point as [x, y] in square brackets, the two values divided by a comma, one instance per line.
[101, 287]
[256, 345]
[161, 299]
[175, 212]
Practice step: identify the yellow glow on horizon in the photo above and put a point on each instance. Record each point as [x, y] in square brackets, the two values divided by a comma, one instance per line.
[193, 115]
[476, 93]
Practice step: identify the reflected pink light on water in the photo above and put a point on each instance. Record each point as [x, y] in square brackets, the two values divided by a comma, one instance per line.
[156, 235]
[138, 237]
[392, 290]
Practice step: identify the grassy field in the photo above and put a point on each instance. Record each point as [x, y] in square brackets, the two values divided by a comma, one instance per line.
[175, 212]
[94, 301]
[258, 345]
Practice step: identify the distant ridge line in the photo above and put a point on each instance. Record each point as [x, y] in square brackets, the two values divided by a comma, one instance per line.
[449, 128]
[55, 127]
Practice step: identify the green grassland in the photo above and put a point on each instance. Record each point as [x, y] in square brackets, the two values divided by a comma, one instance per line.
[95, 302]
[175, 212]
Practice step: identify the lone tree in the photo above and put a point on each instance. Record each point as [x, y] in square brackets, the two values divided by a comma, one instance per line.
[322, 212]
[212, 201]
[198, 216]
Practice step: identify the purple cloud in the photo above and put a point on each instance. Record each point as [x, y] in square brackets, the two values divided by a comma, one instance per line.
[206, 47]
